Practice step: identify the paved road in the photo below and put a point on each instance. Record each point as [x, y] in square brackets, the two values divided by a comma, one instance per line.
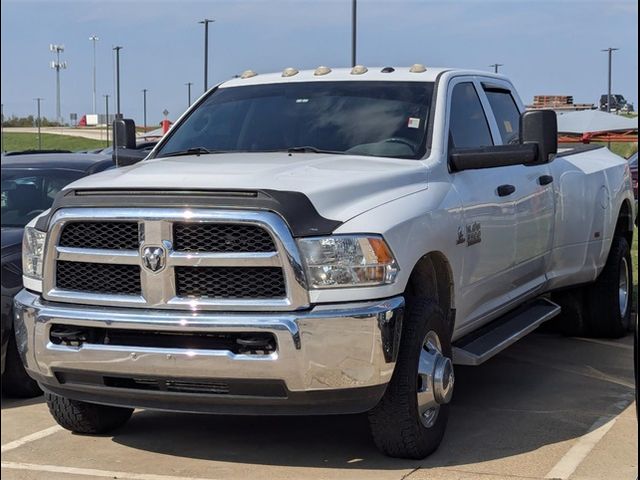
[547, 407]
[93, 133]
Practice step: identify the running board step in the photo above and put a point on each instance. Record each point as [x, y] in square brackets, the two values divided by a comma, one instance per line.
[480, 346]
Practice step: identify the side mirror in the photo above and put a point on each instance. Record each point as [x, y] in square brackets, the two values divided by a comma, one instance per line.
[123, 157]
[540, 127]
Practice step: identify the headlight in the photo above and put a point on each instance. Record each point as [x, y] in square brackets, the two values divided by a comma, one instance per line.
[33, 252]
[347, 261]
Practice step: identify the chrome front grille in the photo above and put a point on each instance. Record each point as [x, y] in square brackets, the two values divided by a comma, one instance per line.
[195, 259]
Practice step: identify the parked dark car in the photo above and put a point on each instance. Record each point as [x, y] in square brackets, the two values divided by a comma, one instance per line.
[29, 185]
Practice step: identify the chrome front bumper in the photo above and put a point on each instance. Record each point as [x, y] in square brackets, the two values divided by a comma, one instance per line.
[325, 356]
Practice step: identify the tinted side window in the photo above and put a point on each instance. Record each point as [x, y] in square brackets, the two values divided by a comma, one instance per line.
[468, 126]
[507, 115]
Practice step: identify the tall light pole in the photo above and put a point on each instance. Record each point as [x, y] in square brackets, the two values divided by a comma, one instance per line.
[94, 39]
[354, 15]
[144, 107]
[106, 107]
[117, 50]
[57, 65]
[496, 66]
[38, 100]
[206, 23]
[188, 84]
[610, 50]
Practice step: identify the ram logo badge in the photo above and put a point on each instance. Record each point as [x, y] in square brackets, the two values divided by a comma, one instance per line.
[153, 258]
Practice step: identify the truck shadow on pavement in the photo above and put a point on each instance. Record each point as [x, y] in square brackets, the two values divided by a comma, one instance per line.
[543, 390]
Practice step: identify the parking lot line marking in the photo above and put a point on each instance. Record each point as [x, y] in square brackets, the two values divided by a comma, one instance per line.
[90, 472]
[571, 460]
[30, 438]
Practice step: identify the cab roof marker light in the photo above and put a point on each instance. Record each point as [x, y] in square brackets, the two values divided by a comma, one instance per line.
[388, 70]
[321, 70]
[359, 70]
[418, 68]
[248, 74]
[289, 72]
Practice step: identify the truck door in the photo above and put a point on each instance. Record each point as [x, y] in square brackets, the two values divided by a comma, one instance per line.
[487, 237]
[533, 197]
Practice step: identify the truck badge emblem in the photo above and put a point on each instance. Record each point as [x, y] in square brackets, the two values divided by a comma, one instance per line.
[474, 233]
[153, 258]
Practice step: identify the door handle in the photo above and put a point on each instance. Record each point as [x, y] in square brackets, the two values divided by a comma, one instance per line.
[545, 179]
[506, 190]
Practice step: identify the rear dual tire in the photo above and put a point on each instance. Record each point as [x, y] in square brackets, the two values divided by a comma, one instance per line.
[602, 309]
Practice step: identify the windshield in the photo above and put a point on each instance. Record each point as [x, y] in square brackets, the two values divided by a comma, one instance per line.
[387, 119]
[27, 193]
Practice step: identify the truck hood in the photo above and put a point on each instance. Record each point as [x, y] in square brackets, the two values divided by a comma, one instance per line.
[339, 186]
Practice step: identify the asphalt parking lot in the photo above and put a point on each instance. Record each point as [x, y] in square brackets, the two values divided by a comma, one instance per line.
[548, 407]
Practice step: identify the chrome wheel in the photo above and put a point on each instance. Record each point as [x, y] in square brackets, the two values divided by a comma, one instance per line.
[435, 379]
[623, 286]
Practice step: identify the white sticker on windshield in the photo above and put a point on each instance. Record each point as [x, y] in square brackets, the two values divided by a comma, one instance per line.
[302, 100]
[413, 122]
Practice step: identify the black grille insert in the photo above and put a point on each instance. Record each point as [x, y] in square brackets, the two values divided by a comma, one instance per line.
[109, 235]
[230, 282]
[221, 237]
[98, 277]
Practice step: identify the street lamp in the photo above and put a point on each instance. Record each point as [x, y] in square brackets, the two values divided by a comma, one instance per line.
[610, 50]
[353, 32]
[496, 66]
[106, 107]
[206, 23]
[38, 100]
[94, 39]
[117, 50]
[188, 84]
[144, 107]
[57, 65]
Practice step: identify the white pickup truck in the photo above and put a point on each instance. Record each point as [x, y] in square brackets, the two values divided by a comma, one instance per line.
[324, 241]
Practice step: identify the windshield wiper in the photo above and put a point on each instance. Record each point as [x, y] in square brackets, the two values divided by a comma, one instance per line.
[190, 151]
[310, 149]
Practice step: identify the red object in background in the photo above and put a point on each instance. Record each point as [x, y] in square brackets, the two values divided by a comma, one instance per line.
[165, 125]
[83, 121]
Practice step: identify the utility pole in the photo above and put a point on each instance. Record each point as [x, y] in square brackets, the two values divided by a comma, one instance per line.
[206, 23]
[144, 107]
[354, 12]
[117, 50]
[38, 100]
[188, 84]
[94, 39]
[496, 66]
[610, 51]
[106, 105]
[57, 65]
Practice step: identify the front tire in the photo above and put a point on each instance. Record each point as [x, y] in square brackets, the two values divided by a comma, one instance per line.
[84, 417]
[610, 297]
[400, 424]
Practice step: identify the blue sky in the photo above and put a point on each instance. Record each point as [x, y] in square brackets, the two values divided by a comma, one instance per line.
[547, 47]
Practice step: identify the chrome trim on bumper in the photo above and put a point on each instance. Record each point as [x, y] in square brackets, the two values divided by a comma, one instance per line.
[327, 347]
